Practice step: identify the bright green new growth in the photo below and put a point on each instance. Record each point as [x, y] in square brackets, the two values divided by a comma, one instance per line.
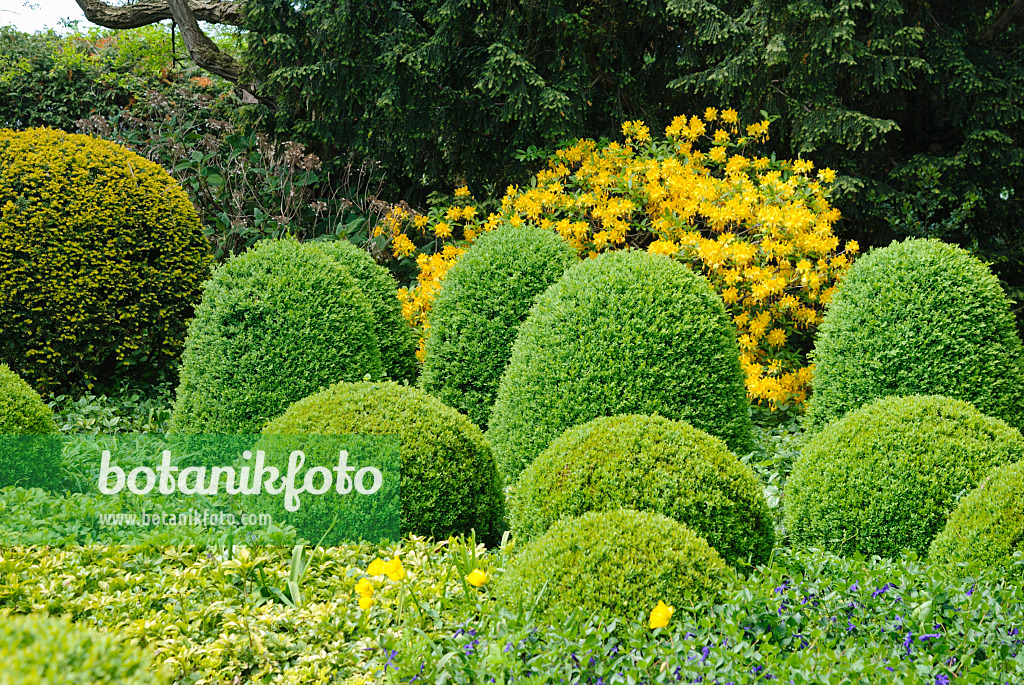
[30, 463]
[885, 477]
[483, 301]
[624, 333]
[987, 525]
[450, 484]
[397, 338]
[919, 318]
[622, 560]
[647, 463]
[38, 650]
[277, 323]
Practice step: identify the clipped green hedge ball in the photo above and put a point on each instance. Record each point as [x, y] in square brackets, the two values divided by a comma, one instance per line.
[919, 317]
[647, 463]
[622, 560]
[987, 525]
[277, 323]
[624, 333]
[482, 303]
[450, 484]
[101, 261]
[397, 338]
[38, 650]
[885, 477]
[26, 458]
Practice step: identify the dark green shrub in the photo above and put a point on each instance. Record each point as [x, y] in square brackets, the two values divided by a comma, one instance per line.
[624, 333]
[919, 318]
[885, 477]
[450, 483]
[276, 324]
[397, 338]
[987, 525]
[103, 257]
[32, 460]
[647, 463]
[483, 300]
[622, 560]
[39, 650]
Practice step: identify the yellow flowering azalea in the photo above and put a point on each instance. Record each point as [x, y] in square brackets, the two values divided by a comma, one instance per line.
[394, 570]
[365, 602]
[661, 615]
[364, 587]
[376, 567]
[477, 578]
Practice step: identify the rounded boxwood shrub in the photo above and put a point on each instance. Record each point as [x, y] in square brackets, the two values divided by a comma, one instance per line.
[39, 650]
[396, 337]
[27, 458]
[450, 483]
[624, 333]
[622, 560]
[885, 477]
[918, 318]
[277, 323]
[987, 525]
[647, 463]
[103, 257]
[483, 300]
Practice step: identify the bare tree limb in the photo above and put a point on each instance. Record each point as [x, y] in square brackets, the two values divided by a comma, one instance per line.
[147, 12]
[203, 50]
[1014, 13]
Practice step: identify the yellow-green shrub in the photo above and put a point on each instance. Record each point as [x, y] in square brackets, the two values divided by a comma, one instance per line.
[103, 257]
[32, 461]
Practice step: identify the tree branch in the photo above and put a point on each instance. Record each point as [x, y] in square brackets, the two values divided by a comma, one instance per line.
[1014, 13]
[203, 50]
[147, 12]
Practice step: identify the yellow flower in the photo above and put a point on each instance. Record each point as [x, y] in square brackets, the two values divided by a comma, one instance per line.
[827, 175]
[477, 578]
[462, 192]
[660, 615]
[710, 114]
[442, 230]
[729, 116]
[376, 567]
[393, 569]
[364, 587]
[365, 602]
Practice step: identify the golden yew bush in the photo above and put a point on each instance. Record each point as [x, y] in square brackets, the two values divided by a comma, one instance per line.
[761, 230]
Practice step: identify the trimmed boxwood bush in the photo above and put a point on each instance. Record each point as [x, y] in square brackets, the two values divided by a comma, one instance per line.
[397, 338]
[624, 333]
[483, 300]
[987, 525]
[885, 477]
[277, 323]
[29, 461]
[450, 483]
[39, 650]
[647, 463]
[102, 260]
[919, 318]
[622, 560]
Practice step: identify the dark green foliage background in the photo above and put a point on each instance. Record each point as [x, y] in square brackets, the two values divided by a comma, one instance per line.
[626, 332]
[483, 301]
[918, 318]
[884, 478]
[647, 463]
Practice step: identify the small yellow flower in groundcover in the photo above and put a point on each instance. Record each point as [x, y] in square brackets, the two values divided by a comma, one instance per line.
[364, 587]
[365, 602]
[477, 578]
[393, 569]
[660, 615]
[376, 567]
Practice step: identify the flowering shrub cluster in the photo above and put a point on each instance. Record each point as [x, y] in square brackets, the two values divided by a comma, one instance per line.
[760, 229]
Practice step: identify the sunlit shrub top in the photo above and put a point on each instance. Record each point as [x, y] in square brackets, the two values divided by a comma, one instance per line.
[759, 228]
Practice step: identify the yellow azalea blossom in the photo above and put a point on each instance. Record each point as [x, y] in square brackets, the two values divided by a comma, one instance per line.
[394, 569]
[376, 567]
[661, 615]
[442, 229]
[462, 192]
[477, 578]
[365, 602]
[364, 587]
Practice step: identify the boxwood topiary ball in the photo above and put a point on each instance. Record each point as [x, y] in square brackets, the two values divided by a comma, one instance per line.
[624, 333]
[647, 463]
[622, 560]
[277, 323]
[27, 458]
[483, 300]
[885, 477]
[397, 338]
[918, 318]
[450, 484]
[987, 525]
[102, 260]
